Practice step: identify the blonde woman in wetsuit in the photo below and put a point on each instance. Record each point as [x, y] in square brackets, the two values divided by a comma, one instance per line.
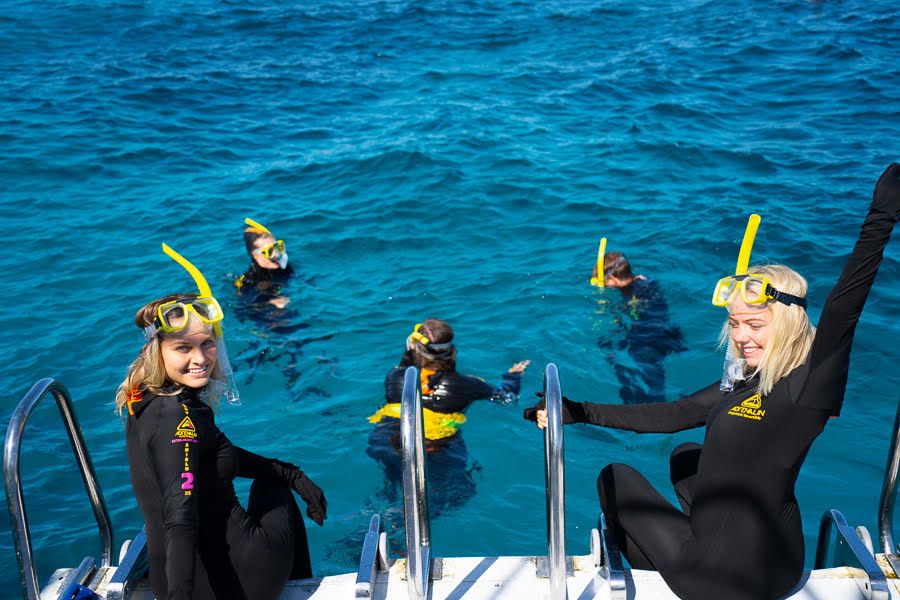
[738, 534]
[201, 542]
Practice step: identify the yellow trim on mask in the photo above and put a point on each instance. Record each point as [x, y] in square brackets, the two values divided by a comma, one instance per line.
[199, 279]
[253, 223]
[437, 425]
[600, 279]
[743, 262]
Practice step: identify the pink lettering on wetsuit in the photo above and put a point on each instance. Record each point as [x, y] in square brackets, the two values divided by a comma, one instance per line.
[188, 481]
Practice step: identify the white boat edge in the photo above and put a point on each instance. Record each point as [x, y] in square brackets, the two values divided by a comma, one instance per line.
[516, 577]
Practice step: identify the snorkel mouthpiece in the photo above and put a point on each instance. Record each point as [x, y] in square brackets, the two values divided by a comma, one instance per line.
[230, 390]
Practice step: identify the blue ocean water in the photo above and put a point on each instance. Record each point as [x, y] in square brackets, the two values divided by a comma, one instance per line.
[450, 159]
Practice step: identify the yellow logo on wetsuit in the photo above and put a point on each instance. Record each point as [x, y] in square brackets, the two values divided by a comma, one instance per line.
[186, 429]
[749, 408]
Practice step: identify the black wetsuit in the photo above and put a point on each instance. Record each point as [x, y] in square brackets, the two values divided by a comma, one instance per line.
[648, 337]
[739, 534]
[451, 391]
[277, 330]
[201, 542]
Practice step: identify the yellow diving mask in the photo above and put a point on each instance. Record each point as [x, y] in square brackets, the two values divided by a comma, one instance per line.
[172, 316]
[272, 251]
[755, 290]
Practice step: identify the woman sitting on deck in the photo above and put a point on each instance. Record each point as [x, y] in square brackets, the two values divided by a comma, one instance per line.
[182, 467]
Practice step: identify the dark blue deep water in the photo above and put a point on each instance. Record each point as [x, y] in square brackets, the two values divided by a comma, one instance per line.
[451, 159]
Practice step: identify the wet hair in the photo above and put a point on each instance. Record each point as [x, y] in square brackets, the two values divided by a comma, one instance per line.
[148, 370]
[792, 333]
[616, 265]
[438, 332]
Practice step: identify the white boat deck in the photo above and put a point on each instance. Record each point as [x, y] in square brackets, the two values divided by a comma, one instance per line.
[515, 578]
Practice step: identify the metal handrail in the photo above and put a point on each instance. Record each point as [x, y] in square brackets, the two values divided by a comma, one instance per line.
[877, 588]
[554, 476]
[889, 492]
[415, 487]
[13, 481]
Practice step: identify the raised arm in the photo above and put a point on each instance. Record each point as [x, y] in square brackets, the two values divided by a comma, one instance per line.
[658, 417]
[829, 358]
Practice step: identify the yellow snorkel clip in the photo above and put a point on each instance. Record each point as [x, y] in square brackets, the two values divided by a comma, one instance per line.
[600, 279]
[231, 390]
[418, 337]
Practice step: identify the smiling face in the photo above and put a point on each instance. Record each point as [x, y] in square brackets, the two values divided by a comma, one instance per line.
[189, 355]
[751, 328]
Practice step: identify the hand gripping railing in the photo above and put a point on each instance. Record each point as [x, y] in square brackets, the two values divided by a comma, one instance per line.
[877, 586]
[888, 496]
[12, 479]
[554, 476]
[415, 488]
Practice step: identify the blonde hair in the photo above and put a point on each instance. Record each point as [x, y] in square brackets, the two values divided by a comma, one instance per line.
[148, 371]
[792, 333]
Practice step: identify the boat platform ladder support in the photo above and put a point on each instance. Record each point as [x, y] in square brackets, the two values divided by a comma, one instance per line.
[13, 481]
[555, 479]
[888, 496]
[875, 587]
[415, 488]
[373, 558]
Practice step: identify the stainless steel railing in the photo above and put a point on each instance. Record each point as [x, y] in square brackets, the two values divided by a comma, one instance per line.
[554, 476]
[415, 488]
[13, 480]
[877, 588]
[889, 492]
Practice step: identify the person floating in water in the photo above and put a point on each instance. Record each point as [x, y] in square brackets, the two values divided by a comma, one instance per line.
[738, 533]
[642, 332]
[269, 269]
[201, 542]
[446, 394]
[262, 301]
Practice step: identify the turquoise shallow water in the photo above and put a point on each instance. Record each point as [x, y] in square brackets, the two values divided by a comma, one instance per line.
[450, 159]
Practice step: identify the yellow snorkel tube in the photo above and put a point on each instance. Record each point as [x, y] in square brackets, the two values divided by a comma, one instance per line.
[733, 369]
[257, 225]
[743, 262]
[231, 390]
[600, 279]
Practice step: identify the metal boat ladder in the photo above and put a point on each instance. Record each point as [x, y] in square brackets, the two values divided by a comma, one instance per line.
[15, 500]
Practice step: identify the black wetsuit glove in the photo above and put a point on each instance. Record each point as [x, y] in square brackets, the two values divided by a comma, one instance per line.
[316, 505]
[887, 192]
[572, 412]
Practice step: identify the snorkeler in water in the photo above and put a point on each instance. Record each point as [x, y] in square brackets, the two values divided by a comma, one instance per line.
[446, 394]
[262, 301]
[643, 335]
[269, 269]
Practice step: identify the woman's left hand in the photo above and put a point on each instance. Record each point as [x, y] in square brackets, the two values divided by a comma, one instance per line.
[519, 367]
[887, 191]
